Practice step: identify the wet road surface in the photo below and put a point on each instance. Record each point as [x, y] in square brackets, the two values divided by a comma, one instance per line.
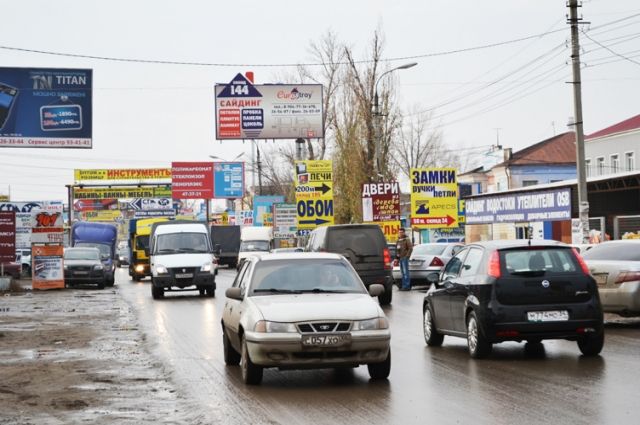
[427, 385]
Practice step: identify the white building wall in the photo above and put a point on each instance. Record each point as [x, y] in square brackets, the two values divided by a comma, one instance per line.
[621, 145]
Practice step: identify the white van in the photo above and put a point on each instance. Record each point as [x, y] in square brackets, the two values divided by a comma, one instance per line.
[181, 258]
[254, 240]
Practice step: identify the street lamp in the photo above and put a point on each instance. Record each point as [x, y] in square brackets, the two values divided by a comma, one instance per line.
[222, 159]
[378, 116]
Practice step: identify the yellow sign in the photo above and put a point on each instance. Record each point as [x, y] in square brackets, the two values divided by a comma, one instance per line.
[4, 198]
[434, 198]
[314, 193]
[267, 219]
[118, 193]
[123, 174]
[390, 229]
[103, 215]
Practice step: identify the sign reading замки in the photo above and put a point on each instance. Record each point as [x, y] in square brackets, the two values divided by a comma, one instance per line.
[549, 205]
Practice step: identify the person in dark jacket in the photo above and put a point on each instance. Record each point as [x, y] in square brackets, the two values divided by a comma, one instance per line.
[403, 252]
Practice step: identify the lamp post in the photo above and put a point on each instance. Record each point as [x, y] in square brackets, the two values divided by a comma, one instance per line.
[377, 116]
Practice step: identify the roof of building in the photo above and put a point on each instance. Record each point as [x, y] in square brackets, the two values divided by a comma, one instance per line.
[629, 124]
[560, 149]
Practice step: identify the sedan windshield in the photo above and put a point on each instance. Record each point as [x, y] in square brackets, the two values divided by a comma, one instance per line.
[429, 249]
[81, 254]
[304, 276]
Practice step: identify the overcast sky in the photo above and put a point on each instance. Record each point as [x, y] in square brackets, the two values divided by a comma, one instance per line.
[147, 115]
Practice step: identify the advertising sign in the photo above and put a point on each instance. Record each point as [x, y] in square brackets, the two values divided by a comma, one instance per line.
[126, 192]
[314, 193]
[95, 204]
[154, 213]
[285, 221]
[380, 202]
[192, 180]
[271, 111]
[47, 226]
[122, 174]
[48, 268]
[390, 229]
[434, 198]
[228, 180]
[244, 218]
[7, 236]
[547, 205]
[24, 219]
[45, 108]
[4, 198]
[148, 204]
[101, 216]
[262, 205]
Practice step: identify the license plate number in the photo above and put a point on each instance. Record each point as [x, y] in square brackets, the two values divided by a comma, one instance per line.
[183, 275]
[325, 340]
[548, 316]
[80, 273]
[601, 278]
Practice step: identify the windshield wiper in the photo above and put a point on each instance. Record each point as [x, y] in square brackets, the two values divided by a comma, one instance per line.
[190, 250]
[166, 250]
[324, 291]
[278, 291]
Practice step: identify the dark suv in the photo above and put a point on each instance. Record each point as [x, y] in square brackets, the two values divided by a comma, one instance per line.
[364, 246]
[498, 291]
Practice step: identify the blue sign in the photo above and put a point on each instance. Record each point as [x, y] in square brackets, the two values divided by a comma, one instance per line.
[228, 180]
[547, 205]
[262, 205]
[45, 108]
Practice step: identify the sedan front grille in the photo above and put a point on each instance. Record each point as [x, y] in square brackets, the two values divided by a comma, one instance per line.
[324, 327]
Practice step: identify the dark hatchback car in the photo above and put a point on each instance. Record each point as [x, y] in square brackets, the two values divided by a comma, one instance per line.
[83, 265]
[364, 246]
[498, 291]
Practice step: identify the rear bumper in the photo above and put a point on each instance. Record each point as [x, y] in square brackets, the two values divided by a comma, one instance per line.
[384, 279]
[625, 299]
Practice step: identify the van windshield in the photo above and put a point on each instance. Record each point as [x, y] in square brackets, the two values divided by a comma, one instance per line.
[249, 246]
[173, 243]
[105, 250]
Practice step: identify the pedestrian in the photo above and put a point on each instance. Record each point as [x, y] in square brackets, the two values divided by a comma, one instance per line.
[404, 249]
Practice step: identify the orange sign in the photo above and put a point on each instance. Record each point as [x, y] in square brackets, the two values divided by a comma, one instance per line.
[48, 270]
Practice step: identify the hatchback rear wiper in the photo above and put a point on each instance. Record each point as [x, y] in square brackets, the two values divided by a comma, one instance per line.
[278, 291]
[532, 273]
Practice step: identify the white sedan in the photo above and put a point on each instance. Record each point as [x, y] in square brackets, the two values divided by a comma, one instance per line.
[303, 311]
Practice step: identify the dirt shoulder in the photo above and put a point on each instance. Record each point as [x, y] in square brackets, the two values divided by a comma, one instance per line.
[72, 356]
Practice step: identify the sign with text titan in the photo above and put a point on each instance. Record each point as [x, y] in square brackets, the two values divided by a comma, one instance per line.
[314, 193]
[434, 198]
[285, 221]
[192, 180]
[548, 205]
[45, 108]
[272, 111]
[380, 202]
[137, 174]
[228, 180]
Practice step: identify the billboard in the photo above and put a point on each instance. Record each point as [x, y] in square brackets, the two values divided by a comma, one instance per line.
[272, 111]
[314, 193]
[228, 180]
[192, 180]
[7, 236]
[25, 212]
[45, 108]
[47, 226]
[380, 202]
[285, 220]
[547, 205]
[123, 192]
[434, 198]
[48, 271]
[80, 175]
[262, 209]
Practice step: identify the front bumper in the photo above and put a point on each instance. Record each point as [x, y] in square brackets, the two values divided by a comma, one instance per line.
[70, 278]
[200, 280]
[285, 350]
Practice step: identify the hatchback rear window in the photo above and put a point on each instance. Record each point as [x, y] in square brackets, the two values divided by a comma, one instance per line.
[618, 251]
[539, 261]
[363, 241]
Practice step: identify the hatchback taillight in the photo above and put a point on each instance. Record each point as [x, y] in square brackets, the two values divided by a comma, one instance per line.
[583, 265]
[493, 269]
[387, 259]
[436, 262]
[628, 276]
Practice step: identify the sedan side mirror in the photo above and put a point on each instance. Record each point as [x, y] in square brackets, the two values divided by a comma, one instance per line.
[234, 293]
[376, 289]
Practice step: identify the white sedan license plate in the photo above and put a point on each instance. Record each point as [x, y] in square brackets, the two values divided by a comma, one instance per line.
[183, 275]
[325, 340]
[548, 316]
[601, 278]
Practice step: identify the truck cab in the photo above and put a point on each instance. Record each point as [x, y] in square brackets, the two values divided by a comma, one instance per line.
[98, 235]
[254, 240]
[139, 233]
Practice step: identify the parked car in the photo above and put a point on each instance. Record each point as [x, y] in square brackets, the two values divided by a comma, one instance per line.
[283, 250]
[427, 261]
[364, 246]
[25, 260]
[302, 311]
[615, 265]
[122, 258]
[498, 291]
[582, 247]
[84, 265]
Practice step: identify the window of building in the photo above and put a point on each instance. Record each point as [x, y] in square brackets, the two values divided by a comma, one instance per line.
[587, 164]
[555, 181]
[614, 162]
[600, 166]
[526, 183]
[629, 161]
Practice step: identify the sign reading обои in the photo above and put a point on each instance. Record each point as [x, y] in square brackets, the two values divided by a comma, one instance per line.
[192, 180]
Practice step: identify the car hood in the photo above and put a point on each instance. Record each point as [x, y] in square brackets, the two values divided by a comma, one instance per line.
[183, 260]
[309, 307]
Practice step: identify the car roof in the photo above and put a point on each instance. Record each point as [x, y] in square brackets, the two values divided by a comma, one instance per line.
[300, 256]
[516, 243]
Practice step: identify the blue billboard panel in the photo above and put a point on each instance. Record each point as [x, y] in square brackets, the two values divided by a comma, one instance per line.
[45, 108]
[547, 205]
[228, 180]
[262, 207]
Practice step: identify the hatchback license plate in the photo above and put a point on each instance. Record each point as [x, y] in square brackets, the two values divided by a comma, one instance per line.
[325, 340]
[183, 275]
[548, 316]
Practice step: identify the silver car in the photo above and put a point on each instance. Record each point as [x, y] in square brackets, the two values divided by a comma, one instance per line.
[303, 311]
[427, 260]
[615, 265]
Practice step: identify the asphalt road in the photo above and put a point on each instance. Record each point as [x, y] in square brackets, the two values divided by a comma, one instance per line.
[427, 385]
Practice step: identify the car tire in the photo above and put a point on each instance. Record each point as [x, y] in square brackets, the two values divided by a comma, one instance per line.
[202, 291]
[137, 278]
[231, 356]
[156, 293]
[591, 344]
[432, 337]
[251, 373]
[26, 271]
[101, 285]
[380, 370]
[479, 346]
[211, 292]
[386, 296]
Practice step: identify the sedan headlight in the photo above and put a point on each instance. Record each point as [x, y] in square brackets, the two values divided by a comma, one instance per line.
[206, 267]
[274, 327]
[98, 267]
[371, 324]
[160, 269]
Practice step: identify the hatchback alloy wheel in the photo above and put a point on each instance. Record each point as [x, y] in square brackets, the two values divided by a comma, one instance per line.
[479, 346]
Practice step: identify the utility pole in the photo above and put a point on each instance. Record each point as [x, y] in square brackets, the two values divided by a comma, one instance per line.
[583, 200]
[259, 164]
[497, 129]
[299, 149]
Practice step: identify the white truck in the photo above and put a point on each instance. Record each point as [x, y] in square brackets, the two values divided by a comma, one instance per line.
[181, 258]
[254, 240]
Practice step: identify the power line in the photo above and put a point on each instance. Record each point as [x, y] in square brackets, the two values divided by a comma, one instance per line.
[607, 48]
